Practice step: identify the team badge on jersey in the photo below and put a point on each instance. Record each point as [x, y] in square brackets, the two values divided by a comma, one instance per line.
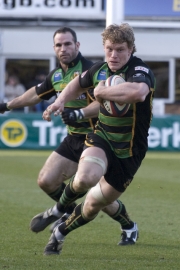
[101, 75]
[142, 68]
[122, 75]
[57, 76]
[76, 73]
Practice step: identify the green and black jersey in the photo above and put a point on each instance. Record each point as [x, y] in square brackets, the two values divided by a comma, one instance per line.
[57, 80]
[127, 135]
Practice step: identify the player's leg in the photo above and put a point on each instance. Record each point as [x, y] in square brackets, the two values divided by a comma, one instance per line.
[92, 166]
[60, 166]
[83, 213]
[124, 170]
[55, 171]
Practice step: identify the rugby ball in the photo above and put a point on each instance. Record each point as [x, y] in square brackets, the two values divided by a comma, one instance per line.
[114, 108]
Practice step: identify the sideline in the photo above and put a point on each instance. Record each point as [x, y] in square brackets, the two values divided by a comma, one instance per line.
[24, 153]
[41, 153]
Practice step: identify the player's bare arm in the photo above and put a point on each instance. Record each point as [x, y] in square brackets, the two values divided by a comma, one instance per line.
[29, 98]
[70, 92]
[123, 93]
[92, 110]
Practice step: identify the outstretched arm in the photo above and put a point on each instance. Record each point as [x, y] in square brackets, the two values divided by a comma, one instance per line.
[70, 92]
[29, 98]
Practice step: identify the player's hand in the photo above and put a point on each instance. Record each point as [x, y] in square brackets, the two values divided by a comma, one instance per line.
[98, 91]
[47, 114]
[55, 107]
[3, 108]
[70, 116]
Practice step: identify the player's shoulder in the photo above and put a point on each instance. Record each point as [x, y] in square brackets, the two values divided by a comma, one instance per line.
[86, 63]
[52, 72]
[138, 65]
[96, 66]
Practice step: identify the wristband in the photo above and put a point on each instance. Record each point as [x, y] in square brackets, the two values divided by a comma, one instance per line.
[4, 107]
[79, 114]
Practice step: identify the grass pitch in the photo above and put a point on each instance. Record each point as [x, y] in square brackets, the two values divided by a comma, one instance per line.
[152, 200]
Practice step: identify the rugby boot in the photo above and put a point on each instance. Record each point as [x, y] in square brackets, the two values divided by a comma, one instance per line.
[58, 222]
[129, 237]
[42, 220]
[54, 246]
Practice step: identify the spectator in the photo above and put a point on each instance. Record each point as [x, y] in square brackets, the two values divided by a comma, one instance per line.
[13, 89]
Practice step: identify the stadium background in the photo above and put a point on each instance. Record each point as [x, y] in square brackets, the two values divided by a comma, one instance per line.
[152, 199]
[26, 30]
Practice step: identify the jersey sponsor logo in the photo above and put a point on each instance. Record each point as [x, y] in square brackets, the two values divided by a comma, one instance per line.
[142, 68]
[138, 75]
[83, 74]
[57, 76]
[83, 96]
[101, 75]
[13, 133]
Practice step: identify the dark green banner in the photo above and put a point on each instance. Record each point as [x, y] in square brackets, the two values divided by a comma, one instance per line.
[164, 133]
[30, 131]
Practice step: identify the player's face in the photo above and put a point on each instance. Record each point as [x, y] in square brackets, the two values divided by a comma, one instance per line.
[116, 54]
[65, 48]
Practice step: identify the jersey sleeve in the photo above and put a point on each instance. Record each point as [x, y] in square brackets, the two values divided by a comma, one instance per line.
[45, 89]
[140, 72]
[86, 78]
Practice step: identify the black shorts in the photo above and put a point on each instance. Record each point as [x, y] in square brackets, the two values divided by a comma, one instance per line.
[71, 147]
[120, 171]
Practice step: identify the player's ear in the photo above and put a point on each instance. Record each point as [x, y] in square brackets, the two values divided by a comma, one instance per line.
[77, 45]
[130, 50]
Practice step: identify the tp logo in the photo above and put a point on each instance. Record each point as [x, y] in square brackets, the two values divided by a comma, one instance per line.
[13, 133]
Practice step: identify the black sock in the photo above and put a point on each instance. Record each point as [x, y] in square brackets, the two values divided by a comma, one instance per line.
[122, 217]
[57, 193]
[74, 221]
[68, 197]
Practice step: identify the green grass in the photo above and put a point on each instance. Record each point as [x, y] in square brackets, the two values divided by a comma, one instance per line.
[152, 200]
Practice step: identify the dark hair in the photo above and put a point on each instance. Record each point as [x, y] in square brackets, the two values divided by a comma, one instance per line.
[65, 30]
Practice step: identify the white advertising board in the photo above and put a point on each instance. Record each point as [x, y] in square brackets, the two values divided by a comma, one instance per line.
[67, 9]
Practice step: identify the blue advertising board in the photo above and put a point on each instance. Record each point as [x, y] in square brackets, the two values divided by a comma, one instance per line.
[150, 8]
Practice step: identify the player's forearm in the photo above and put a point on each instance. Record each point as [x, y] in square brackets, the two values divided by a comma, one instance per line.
[123, 93]
[70, 92]
[92, 110]
[29, 98]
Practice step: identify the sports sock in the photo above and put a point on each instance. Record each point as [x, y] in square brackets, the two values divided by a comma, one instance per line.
[74, 221]
[57, 193]
[68, 197]
[122, 217]
[56, 212]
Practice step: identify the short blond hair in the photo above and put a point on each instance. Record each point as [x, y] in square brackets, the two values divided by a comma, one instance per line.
[119, 34]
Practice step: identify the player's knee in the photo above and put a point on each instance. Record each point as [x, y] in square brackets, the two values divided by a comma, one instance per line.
[97, 195]
[87, 180]
[43, 181]
[92, 206]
